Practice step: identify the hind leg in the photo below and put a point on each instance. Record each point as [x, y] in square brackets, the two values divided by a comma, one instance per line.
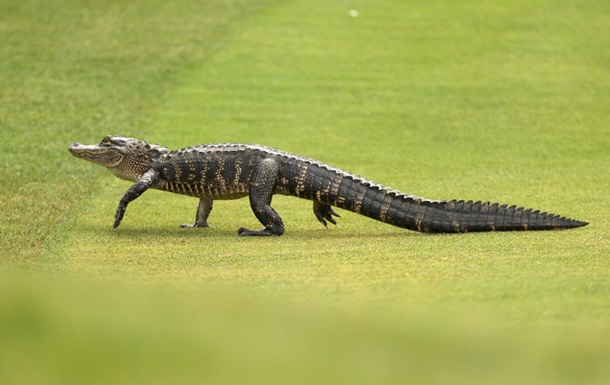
[324, 212]
[203, 212]
[262, 185]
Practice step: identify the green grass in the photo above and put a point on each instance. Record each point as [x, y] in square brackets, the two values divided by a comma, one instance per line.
[503, 101]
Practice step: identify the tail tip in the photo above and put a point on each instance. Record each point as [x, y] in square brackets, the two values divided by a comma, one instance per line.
[572, 224]
[578, 223]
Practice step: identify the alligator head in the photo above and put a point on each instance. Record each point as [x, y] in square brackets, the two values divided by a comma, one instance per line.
[127, 158]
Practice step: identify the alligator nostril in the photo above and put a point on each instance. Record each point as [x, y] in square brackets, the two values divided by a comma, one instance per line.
[74, 146]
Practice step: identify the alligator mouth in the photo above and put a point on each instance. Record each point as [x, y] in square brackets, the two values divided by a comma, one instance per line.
[103, 156]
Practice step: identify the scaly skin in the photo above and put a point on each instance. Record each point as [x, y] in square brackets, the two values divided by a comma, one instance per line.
[235, 170]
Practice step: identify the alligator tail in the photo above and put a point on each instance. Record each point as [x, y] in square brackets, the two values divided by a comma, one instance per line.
[414, 213]
[468, 216]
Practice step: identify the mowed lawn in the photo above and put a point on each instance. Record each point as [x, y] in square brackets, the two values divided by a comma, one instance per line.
[501, 101]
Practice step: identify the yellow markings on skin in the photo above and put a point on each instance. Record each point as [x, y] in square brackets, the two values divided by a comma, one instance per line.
[301, 180]
[220, 182]
[358, 200]
[325, 189]
[238, 171]
[419, 216]
[178, 171]
[203, 183]
[385, 206]
[334, 186]
[192, 170]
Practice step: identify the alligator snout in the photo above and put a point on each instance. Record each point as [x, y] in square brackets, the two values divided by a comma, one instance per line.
[74, 147]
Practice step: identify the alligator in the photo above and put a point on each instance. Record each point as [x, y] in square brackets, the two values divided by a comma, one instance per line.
[236, 170]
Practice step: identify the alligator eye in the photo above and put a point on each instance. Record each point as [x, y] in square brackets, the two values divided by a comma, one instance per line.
[106, 141]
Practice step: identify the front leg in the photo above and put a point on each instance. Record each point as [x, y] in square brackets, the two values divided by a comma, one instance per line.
[203, 212]
[262, 184]
[132, 193]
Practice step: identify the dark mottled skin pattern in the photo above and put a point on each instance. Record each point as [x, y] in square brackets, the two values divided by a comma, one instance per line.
[234, 170]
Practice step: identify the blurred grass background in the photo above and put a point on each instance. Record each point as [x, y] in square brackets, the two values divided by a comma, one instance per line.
[503, 101]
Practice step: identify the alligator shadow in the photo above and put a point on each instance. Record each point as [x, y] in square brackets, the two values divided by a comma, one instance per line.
[216, 232]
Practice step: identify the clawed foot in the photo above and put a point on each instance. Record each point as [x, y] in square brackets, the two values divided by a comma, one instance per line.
[244, 232]
[120, 211]
[325, 213]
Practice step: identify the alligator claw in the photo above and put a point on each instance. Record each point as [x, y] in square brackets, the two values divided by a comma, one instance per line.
[120, 211]
[325, 212]
[244, 232]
